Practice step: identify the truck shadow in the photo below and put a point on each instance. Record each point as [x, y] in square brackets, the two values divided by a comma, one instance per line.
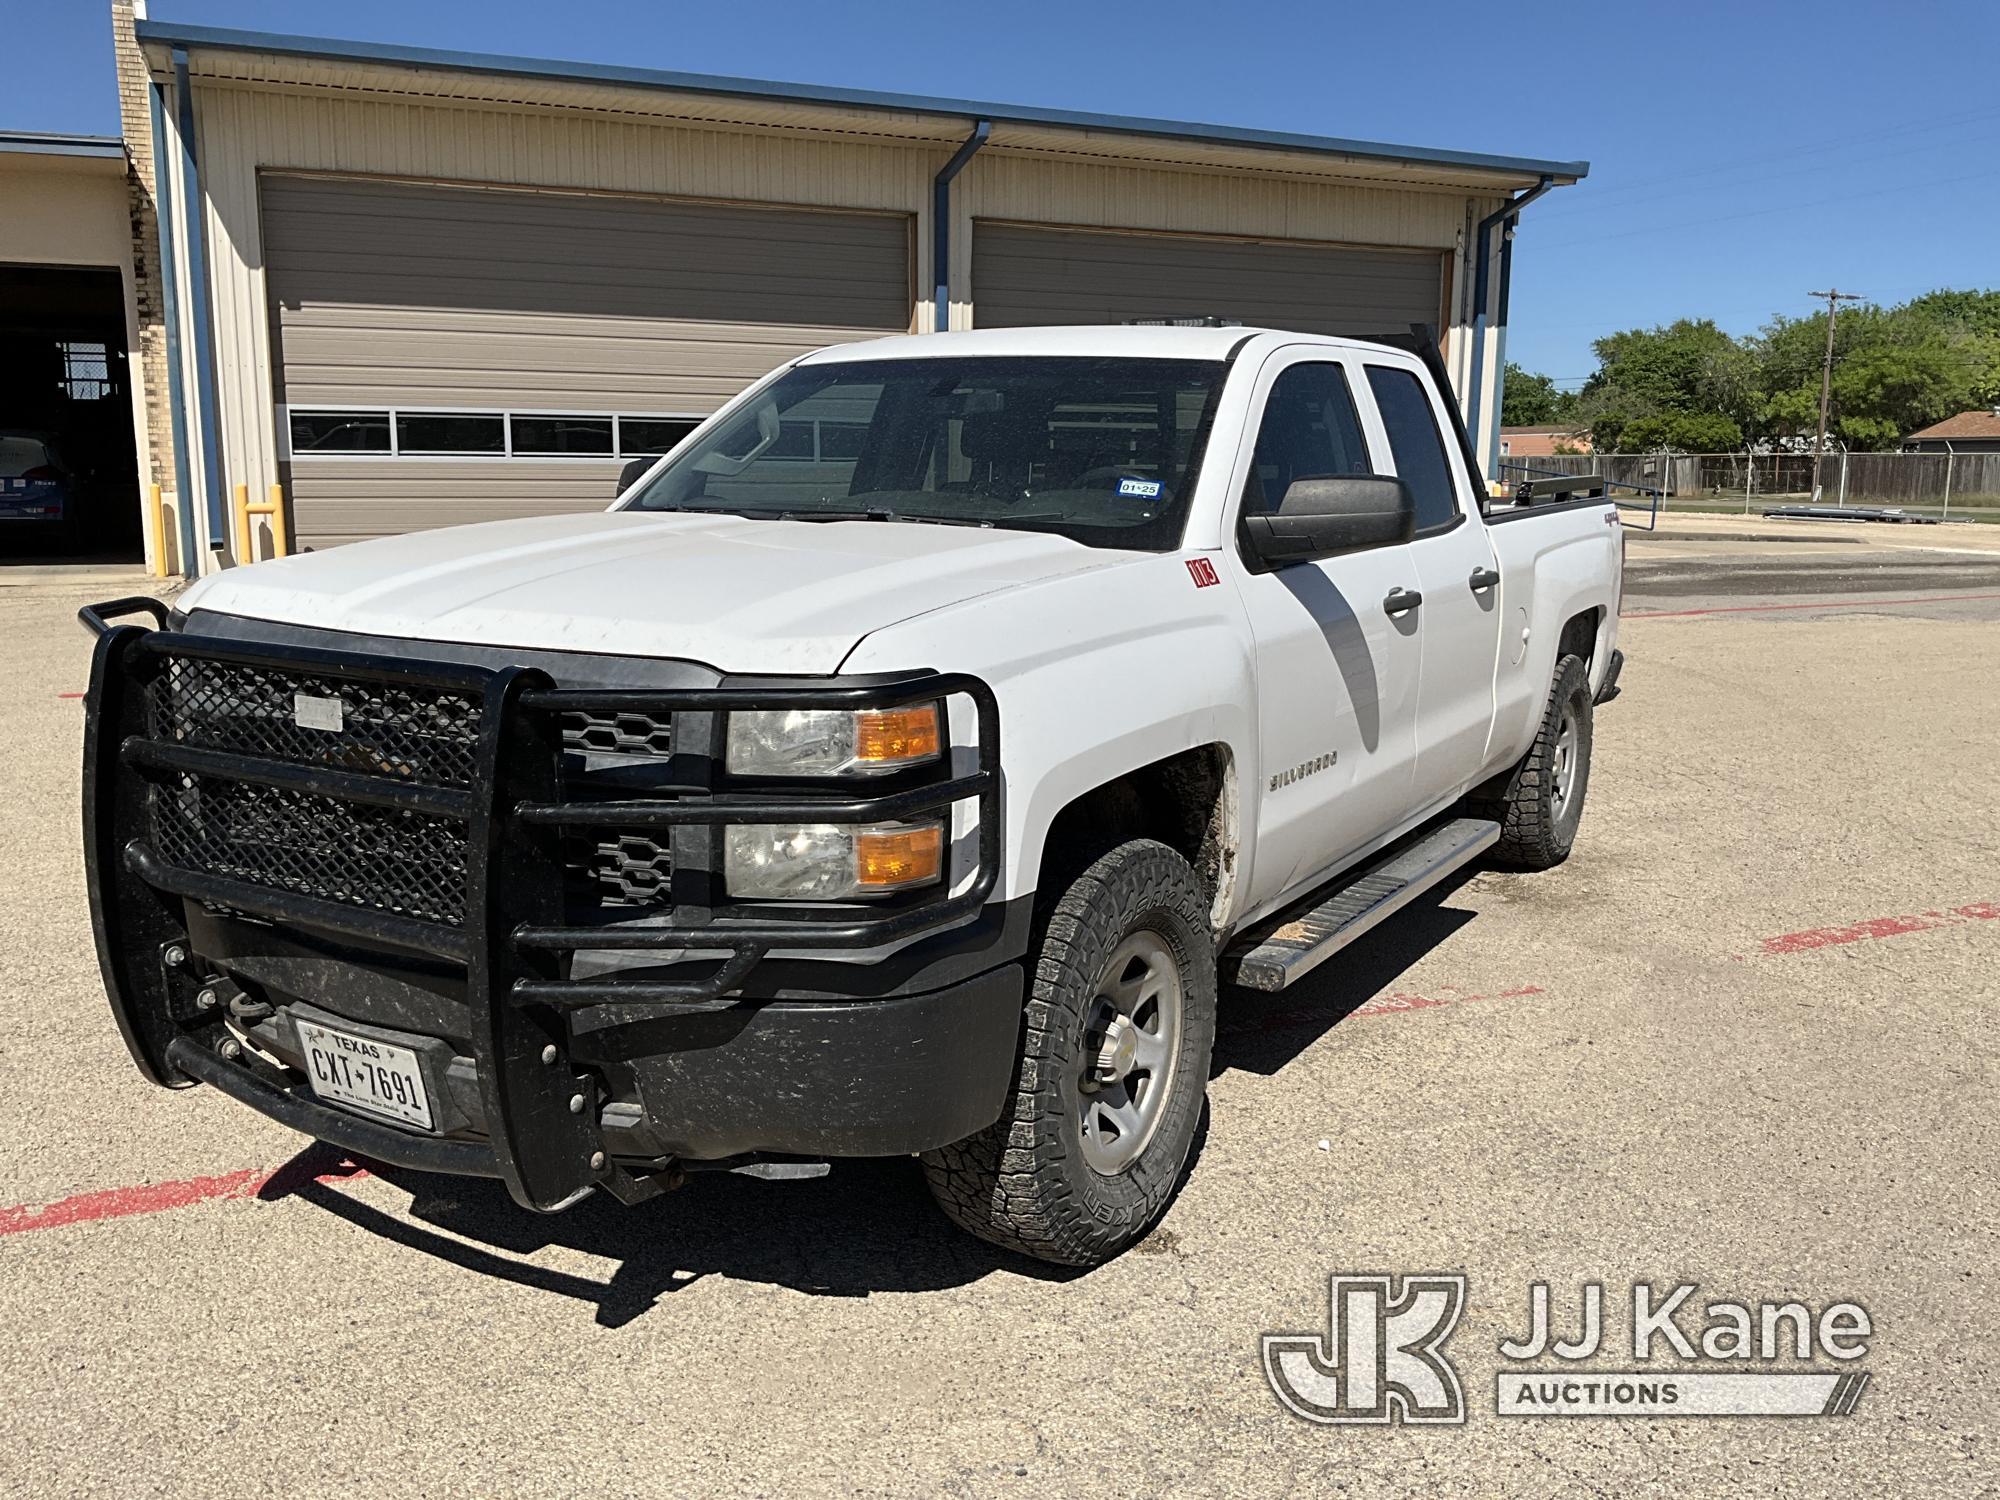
[868, 1226]
[1260, 1033]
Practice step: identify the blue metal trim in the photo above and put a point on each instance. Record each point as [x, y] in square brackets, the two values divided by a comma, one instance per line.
[177, 35]
[941, 221]
[55, 143]
[163, 199]
[1499, 332]
[1481, 285]
[204, 348]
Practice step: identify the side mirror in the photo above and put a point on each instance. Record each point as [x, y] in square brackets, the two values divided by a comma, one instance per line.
[1326, 517]
[633, 472]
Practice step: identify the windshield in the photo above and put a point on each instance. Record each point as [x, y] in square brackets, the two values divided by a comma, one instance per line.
[1104, 451]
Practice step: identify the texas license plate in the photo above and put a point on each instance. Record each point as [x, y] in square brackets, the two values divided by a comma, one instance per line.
[378, 1078]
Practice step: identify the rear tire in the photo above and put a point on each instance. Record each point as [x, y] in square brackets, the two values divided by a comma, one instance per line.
[1540, 802]
[1113, 1069]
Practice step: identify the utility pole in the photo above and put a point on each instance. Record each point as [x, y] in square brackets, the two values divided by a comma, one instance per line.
[1834, 298]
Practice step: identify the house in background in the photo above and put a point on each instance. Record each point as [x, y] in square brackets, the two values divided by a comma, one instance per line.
[1543, 442]
[1968, 432]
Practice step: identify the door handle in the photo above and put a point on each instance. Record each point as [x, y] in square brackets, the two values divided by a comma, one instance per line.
[1482, 579]
[1401, 601]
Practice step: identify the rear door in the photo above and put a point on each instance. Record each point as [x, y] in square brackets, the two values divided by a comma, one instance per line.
[1336, 673]
[1455, 570]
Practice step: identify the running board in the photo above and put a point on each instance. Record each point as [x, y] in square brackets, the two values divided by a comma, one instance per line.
[1281, 951]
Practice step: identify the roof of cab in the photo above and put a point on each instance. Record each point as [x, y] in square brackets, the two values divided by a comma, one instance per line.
[1125, 341]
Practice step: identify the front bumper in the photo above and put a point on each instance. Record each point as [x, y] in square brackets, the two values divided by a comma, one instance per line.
[490, 789]
[861, 1078]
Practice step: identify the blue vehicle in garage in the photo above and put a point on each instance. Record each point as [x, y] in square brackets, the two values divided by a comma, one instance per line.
[36, 489]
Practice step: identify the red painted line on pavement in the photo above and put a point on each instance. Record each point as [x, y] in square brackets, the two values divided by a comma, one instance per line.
[1396, 1004]
[1877, 927]
[157, 1197]
[1755, 609]
[72, 695]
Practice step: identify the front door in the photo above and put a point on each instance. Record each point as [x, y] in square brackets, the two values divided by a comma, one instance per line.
[1337, 674]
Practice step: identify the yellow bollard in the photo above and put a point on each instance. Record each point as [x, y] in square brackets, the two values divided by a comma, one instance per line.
[274, 508]
[281, 541]
[156, 531]
[244, 556]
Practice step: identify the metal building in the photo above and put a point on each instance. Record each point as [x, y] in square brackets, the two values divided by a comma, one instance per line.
[412, 287]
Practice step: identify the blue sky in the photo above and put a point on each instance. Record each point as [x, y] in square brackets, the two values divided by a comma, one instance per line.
[1742, 154]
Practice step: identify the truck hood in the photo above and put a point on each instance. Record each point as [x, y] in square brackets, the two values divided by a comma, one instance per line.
[741, 595]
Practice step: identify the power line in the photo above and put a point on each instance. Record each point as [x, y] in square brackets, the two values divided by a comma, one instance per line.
[1782, 208]
[1590, 194]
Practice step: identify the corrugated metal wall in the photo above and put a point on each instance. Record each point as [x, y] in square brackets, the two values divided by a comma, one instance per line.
[247, 131]
[1027, 276]
[397, 294]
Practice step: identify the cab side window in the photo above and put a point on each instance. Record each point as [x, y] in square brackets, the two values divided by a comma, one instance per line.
[1310, 431]
[1418, 446]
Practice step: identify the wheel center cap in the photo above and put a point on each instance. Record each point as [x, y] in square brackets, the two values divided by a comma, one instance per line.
[1118, 1051]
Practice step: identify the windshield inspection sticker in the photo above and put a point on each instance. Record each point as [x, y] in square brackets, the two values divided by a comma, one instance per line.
[1144, 489]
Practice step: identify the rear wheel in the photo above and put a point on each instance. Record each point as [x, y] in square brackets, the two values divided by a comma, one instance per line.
[1113, 1070]
[1540, 802]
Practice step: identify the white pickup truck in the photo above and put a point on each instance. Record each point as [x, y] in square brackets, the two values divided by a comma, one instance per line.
[901, 765]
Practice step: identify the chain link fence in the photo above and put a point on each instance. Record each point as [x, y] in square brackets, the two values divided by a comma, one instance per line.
[1949, 486]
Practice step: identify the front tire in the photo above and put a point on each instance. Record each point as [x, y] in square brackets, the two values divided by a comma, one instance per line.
[1113, 1070]
[1540, 802]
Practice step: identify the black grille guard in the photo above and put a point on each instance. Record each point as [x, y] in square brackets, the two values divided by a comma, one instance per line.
[514, 940]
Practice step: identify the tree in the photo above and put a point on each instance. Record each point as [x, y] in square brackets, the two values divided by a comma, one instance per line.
[1689, 385]
[1531, 400]
[1897, 372]
[1685, 431]
[1652, 376]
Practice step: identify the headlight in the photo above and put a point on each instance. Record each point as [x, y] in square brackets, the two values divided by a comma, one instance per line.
[830, 861]
[833, 741]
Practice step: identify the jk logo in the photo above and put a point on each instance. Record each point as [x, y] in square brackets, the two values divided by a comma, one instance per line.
[1379, 1361]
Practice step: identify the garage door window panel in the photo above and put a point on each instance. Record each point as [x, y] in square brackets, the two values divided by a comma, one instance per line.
[451, 433]
[640, 436]
[557, 434]
[340, 432]
[402, 433]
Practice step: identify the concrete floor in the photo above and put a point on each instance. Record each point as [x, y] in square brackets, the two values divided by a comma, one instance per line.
[1742, 1038]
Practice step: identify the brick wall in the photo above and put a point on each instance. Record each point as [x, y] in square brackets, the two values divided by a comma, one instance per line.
[135, 116]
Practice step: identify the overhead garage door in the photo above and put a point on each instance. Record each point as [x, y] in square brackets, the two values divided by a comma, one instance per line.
[451, 354]
[1025, 276]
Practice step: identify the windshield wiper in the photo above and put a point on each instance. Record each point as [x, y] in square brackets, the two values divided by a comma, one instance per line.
[879, 513]
[817, 514]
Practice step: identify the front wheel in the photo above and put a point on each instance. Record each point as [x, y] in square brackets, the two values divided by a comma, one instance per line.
[1113, 1070]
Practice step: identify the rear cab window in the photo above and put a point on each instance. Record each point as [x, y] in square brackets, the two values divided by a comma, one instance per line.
[1422, 460]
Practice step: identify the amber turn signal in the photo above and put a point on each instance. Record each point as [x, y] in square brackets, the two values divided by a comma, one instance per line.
[888, 859]
[896, 736]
